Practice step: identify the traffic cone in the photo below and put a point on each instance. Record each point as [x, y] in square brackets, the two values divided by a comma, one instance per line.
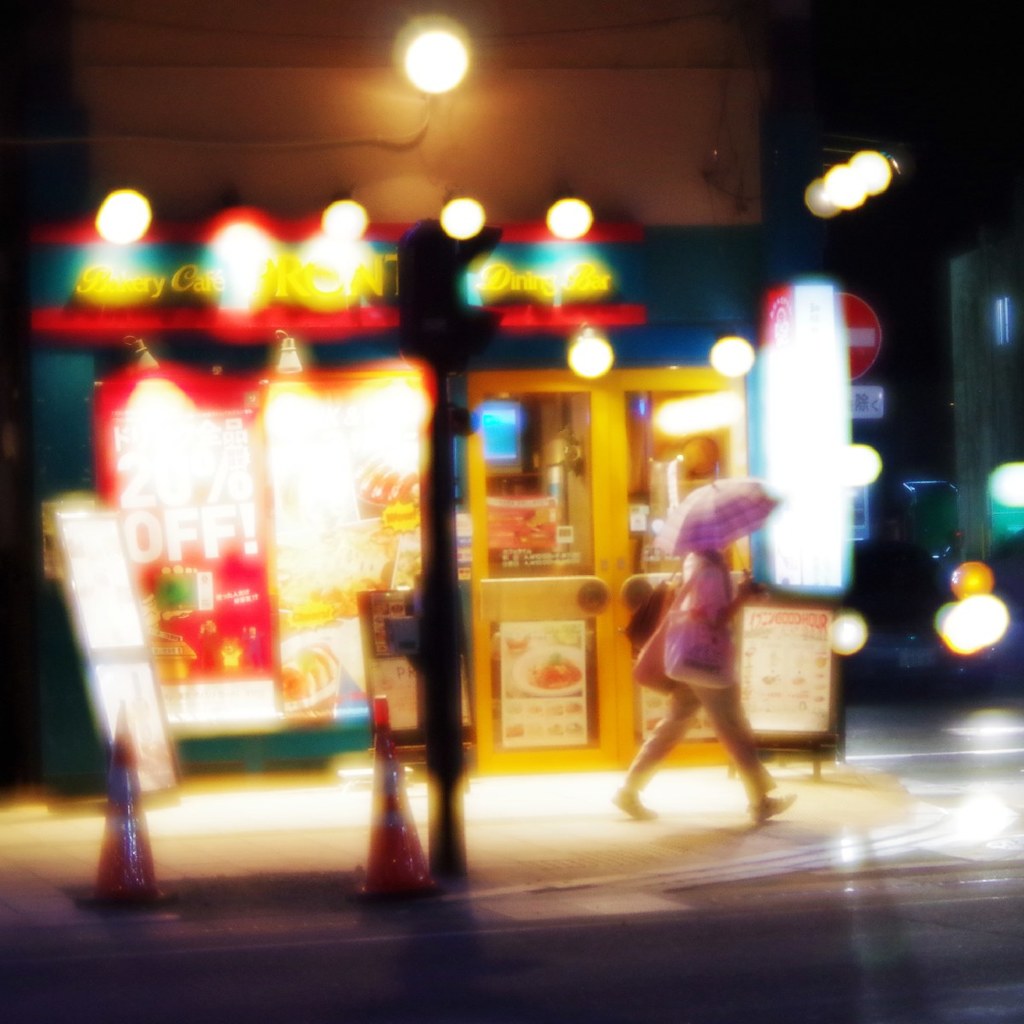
[125, 876]
[396, 864]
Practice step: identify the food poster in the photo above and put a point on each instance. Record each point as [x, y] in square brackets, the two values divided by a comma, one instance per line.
[344, 456]
[785, 666]
[180, 456]
[522, 531]
[544, 692]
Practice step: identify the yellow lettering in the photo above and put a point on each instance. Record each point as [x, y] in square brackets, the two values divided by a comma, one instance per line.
[499, 280]
[587, 279]
[105, 287]
[187, 278]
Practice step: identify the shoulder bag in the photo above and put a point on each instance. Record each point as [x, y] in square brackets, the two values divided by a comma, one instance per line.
[697, 650]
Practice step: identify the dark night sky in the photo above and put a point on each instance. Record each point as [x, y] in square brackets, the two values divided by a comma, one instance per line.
[946, 85]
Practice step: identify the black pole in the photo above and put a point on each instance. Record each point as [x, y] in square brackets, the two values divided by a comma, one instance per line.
[440, 649]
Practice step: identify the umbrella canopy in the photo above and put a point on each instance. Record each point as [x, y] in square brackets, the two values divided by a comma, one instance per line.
[715, 515]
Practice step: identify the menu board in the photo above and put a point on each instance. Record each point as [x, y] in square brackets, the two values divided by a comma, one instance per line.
[544, 692]
[100, 592]
[786, 668]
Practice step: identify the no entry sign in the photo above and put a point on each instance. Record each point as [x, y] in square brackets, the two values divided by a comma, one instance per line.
[864, 332]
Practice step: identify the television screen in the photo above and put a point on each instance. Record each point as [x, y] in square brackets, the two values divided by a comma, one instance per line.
[501, 424]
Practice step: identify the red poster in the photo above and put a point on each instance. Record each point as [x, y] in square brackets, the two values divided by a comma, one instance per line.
[180, 454]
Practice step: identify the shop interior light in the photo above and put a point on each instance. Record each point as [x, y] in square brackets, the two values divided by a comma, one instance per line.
[434, 53]
[590, 354]
[123, 217]
[569, 218]
[144, 359]
[345, 220]
[288, 358]
[732, 356]
[462, 217]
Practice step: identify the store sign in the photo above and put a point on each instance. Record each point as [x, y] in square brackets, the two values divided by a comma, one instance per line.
[241, 277]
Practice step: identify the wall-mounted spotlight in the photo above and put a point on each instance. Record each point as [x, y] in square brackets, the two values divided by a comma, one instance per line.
[590, 354]
[144, 359]
[462, 217]
[732, 356]
[569, 218]
[434, 53]
[345, 220]
[288, 358]
[124, 216]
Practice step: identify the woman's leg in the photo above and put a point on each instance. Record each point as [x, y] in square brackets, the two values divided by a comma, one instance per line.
[733, 729]
[682, 705]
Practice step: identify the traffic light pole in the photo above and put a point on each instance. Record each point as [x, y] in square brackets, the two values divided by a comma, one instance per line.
[441, 648]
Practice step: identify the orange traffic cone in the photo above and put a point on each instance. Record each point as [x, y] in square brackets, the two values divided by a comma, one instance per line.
[125, 876]
[396, 865]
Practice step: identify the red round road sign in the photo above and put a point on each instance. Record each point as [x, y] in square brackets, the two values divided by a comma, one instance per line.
[864, 333]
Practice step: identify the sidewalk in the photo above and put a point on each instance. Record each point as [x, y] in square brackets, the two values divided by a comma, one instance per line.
[523, 833]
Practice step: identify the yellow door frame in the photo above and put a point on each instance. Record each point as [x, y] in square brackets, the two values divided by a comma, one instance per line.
[608, 460]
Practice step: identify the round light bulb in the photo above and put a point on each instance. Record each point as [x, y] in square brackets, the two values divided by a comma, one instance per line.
[437, 59]
[462, 218]
[344, 220]
[124, 216]
[569, 219]
[590, 354]
[732, 356]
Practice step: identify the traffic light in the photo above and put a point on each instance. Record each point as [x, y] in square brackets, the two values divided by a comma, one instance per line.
[437, 323]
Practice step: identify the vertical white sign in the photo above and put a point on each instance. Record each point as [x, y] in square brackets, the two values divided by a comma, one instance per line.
[806, 423]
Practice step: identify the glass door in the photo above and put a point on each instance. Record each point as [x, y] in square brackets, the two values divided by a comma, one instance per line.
[568, 483]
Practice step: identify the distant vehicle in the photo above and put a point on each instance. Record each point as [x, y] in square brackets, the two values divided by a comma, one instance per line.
[898, 588]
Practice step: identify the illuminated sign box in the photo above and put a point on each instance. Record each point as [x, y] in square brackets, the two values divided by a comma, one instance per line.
[241, 277]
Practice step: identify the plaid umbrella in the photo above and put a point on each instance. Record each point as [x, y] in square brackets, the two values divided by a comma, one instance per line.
[715, 515]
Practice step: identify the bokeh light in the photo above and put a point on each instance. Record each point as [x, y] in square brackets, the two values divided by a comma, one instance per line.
[844, 188]
[861, 465]
[849, 631]
[818, 202]
[1006, 484]
[344, 220]
[569, 218]
[872, 169]
[124, 216]
[462, 218]
[436, 56]
[970, 578]
[732, 356]
[972, 624]
[590, 354]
